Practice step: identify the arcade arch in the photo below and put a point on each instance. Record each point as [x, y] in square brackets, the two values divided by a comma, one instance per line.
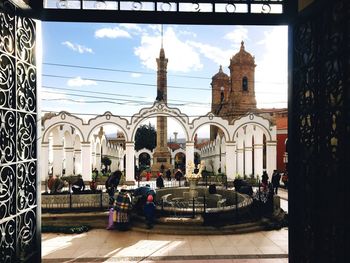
[236, 144]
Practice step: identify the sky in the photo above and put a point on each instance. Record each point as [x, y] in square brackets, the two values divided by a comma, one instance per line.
[91, 68]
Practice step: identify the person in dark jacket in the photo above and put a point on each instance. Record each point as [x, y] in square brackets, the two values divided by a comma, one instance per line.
[78, 186]
[276, 177]
[168, 174]
[111, 184]
[160, 181]
[149, 211]
[178, 175]
[264, 180]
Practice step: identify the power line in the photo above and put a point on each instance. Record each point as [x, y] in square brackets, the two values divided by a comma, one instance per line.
[152, 73]
[136, 102]
[121, 70]
[141, 84]
[114, 94]
[123, 82]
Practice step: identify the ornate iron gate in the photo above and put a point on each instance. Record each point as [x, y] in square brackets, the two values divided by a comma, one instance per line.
[19, 233]
[319, 133]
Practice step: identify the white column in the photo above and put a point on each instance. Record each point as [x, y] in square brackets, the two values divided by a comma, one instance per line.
[189, 152]
[57, 159]
[248, 152]
[98, 161]
[93, 157]
[44, 161]
[258, 160]
[69, 160]
[130, 163]
[86, 161]
[121, 165]
[230, 160]
[271, 157]
[77, 162]
[240, 161]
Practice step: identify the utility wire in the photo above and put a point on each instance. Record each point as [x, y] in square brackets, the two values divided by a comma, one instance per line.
[143, 72]
[121, 70]
[138, 102]
[114, 94]
[123, 82]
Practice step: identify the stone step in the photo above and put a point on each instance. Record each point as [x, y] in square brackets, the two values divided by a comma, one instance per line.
[167, 225]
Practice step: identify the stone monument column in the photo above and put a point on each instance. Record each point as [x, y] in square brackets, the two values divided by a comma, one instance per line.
[161, 156]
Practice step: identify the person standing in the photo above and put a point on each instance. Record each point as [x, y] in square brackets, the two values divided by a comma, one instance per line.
[122, 207]
[178, 175]
[264, 180]
[276, 177]
[149, 211]
[111, 184]
[168, 174]
[148, 176]
[160, 181]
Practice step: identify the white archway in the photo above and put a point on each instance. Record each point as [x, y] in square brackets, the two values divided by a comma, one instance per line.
[238, 138]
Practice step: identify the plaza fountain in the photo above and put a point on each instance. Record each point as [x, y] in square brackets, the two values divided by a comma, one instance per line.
[196, 198]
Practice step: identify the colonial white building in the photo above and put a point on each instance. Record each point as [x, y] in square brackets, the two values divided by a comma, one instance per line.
[73, 144]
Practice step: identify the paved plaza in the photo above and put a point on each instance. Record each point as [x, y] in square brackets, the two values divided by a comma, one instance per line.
[99, 245]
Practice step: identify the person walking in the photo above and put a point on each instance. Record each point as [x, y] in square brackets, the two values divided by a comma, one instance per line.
[276, 177]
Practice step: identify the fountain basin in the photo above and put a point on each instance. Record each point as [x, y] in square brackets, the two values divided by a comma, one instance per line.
[180, 201]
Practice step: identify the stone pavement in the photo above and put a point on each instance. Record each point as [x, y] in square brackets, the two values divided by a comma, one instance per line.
[99, 245]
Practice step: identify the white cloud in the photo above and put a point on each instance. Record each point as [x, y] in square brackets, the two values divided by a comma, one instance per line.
[217, 55]
[272, 70]
[132, 27]
[136, 75]
[184, 61]
[76, 47]
[115, 32]
[239, 34]
[79, 82]
[188, 33]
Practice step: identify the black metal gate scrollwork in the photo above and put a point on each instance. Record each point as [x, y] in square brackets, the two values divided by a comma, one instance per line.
[319, 134]
[18, 154]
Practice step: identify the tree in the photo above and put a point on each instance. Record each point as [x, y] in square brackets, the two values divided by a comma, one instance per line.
[145, 137]
[106, 162]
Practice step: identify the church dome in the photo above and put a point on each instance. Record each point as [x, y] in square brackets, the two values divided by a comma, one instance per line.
[243, 57]
[220, 74]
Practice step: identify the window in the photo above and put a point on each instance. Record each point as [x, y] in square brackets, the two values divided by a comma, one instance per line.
[245, 84]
